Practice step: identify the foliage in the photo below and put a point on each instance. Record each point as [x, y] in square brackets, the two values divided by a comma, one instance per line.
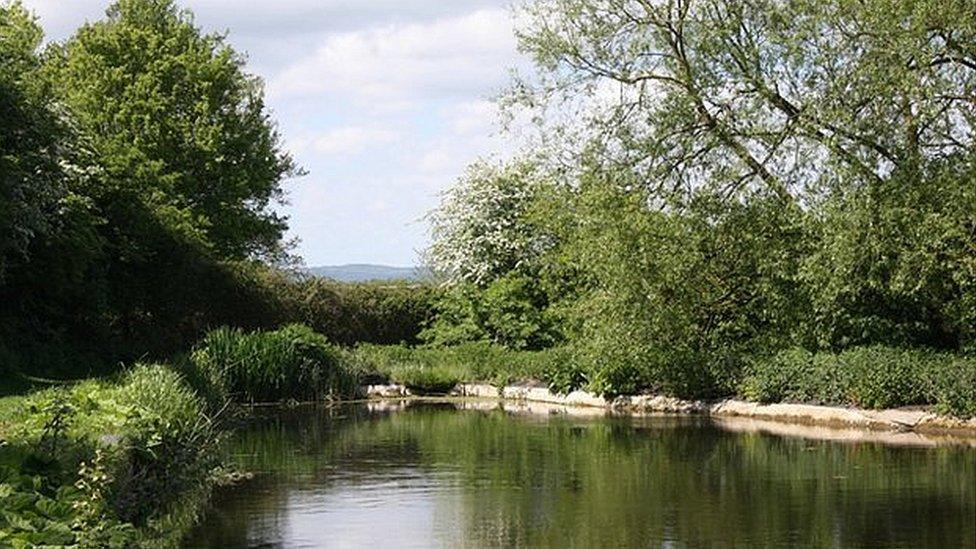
[35, 141]
[897, 264]
[871, 377]
[764, 175]
[350, 313]
[45, 224]
[511, 311]
[435, 369]
[104, 464]
[180, 129]
[493, 242]
[293, 362]
[140, 167]
[738, 96]
[672, 300]
[482, 228]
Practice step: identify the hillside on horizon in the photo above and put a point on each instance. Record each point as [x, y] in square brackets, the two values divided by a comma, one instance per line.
[365, 272]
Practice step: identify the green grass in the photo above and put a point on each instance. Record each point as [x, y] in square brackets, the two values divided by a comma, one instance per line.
[437, 369]
[868, 377]
[291, 363]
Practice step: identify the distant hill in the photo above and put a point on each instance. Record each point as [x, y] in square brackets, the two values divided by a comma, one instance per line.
[365, 272]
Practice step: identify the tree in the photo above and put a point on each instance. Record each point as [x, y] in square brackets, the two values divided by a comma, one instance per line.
[748, 175]
[35, 141]
[140, 168]
[491, 244]
[786, 95]
[483, 227]
[180, 129]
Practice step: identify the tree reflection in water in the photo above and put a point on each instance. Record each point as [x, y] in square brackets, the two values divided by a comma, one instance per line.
[430, 475]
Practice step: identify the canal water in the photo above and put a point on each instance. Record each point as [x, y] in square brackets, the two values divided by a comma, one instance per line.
[434, 475]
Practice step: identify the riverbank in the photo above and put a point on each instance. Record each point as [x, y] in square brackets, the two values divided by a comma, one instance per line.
[124, 462]
[886, 425]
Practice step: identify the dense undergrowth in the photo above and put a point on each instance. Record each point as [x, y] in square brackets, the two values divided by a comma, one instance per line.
[869, 377]
[129, 460]
[105, 463]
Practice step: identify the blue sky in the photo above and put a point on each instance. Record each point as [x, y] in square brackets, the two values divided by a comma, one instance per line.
[383, 102]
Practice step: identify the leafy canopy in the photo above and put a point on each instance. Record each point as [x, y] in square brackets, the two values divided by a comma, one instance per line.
[179, 126]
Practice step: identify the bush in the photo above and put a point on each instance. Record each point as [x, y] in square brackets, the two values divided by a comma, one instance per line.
[293, 362]
[795, 375]
[427, 379]
[870, 377]
[349, 313]
[168, 446]
[952, 386]
[511, 311]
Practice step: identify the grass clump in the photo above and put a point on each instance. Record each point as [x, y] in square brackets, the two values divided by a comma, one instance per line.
[870, 377]
[291, 363]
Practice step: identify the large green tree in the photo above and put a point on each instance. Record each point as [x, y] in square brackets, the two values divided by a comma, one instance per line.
[140, 173]
[787, 95]
[180, 128]
[856, 115]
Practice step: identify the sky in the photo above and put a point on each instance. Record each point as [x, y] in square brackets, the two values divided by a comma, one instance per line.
[383, 102]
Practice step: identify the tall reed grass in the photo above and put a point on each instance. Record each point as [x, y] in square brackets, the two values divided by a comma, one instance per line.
[291, 363]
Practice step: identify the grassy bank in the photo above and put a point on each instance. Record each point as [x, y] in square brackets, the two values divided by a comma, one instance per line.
[129, 460]
[867, 377]
[115, 463]
[438, 369]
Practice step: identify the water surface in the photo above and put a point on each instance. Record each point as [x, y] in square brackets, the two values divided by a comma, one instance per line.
[434, 476]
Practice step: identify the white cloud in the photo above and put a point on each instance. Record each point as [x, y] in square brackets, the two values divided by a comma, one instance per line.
[274, 19]
[449, 57]
[351, 140]
[436, 161]
[479, 117]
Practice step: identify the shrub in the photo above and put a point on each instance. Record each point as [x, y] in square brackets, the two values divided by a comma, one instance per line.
[871, 377]
[427, 379]
[350, 313]
[293, 362]
[951, 385]
[563, 375]
[511, 311]
[166, 448]
[885, 377]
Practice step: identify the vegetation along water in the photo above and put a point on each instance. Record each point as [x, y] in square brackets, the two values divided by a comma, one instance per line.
[767, 200]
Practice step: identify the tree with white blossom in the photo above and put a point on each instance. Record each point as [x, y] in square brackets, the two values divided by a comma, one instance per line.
[483, 228]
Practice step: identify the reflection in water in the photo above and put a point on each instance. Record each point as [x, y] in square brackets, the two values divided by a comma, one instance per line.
[431, 475]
